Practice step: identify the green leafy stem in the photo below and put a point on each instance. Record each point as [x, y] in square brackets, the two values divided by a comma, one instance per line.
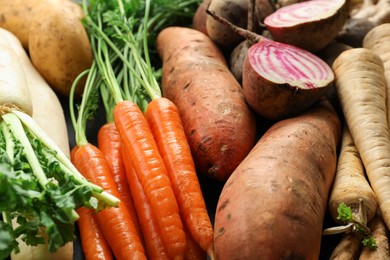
[40, 189]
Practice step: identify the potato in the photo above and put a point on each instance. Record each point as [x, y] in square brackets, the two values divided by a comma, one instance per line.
[52, 32]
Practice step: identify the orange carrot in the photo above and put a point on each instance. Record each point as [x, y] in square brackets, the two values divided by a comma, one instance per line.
[193, 250]
[115, 222]
[153, 242]
[167, 128]
[109, 142]
[142, 149]
[93, 242]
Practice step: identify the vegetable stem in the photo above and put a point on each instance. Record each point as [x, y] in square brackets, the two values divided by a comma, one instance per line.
[17, 129]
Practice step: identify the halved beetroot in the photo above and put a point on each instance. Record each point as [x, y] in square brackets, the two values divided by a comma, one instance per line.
[310, 25]
[281, 80]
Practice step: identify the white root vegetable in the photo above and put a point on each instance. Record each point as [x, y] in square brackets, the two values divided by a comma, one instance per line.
[378, 40]
[350, 185]
[49, 115]
[14, 90]
[361, 88]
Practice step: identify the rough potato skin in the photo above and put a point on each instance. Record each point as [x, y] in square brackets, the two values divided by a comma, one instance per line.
[220, 127]
[274, 203]
[52, 32]
[59, 47]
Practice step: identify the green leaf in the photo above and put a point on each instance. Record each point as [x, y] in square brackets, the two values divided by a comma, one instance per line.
[344, 212]
[370, 242]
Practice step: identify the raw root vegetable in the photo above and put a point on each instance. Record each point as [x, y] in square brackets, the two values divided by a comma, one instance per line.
[41, 189]
[375, 11]
[363, 17]
[49, 115]
[238, 54]
[110, 143]
[52, 32]
[93, 242]
[348, 248]
[219, 125]
[378, 40]
[361, 88]
[14, 86]
[273, 205]
[154, 247]
[200, 17]
[379, 250]
[280, 80]
[234, 11]
[351, 188]
[298, 24]
[116, 223]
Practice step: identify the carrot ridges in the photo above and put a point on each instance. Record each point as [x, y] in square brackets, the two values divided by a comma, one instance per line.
[165, 123]
[151, 171]
[115, 222]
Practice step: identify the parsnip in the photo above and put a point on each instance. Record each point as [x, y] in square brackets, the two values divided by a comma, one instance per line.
[361, 88]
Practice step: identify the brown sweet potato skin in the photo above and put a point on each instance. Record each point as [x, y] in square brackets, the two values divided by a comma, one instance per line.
[220, 127]
[274, 203]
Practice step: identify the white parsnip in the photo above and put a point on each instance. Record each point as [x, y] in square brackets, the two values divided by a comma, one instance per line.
[350, 185]
[361, 89]
[378, 40]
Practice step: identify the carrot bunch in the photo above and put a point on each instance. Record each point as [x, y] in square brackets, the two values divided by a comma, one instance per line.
[142, 156]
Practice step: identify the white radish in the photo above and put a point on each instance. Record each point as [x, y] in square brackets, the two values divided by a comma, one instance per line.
[49, 115]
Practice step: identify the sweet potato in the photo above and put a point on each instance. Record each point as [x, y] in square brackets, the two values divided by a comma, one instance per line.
[220, 127]
[274, 203]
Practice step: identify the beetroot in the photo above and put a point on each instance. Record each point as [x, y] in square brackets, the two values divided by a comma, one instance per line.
[310, 25]
[281, 80]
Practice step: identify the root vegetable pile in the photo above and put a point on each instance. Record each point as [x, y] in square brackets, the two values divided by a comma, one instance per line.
[203, 129]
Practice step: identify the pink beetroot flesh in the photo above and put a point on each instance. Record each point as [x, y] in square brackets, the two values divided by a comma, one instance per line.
[303, 12]
[285, 64]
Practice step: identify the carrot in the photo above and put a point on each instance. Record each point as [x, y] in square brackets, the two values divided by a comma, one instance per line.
[165, 123]
[93, 242]
[193, 250]
[361, 88]
[109, 142]
[274, 203]
[219, 125]
[140, 145]
[115, 222]
[378, 40]
[153, 242]
[351, 188]
[167, 128]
